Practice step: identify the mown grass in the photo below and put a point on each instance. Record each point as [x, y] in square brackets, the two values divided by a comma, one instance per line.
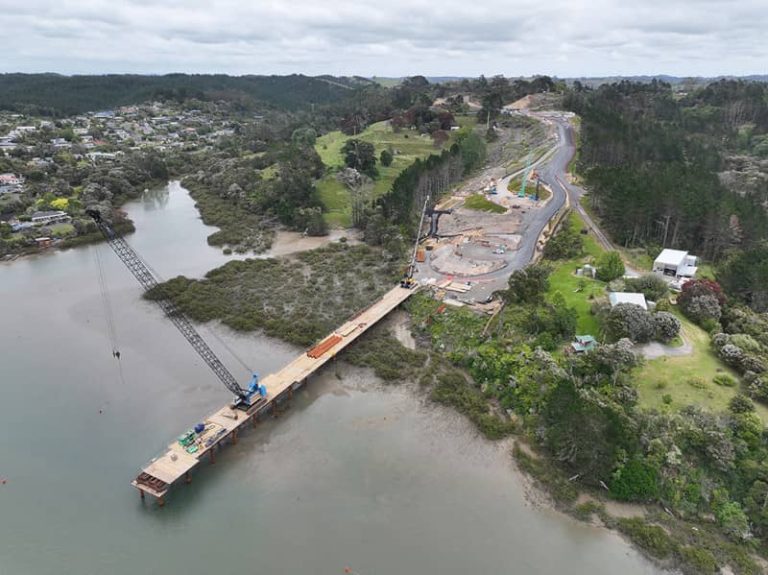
[480, 203]
[688, 379]
[406, 145]
[335, 198]
[579, 292]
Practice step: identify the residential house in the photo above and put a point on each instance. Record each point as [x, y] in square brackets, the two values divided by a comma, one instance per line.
[11, 184]
[49, 217]
[675, 263]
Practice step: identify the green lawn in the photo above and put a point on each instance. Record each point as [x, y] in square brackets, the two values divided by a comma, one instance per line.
[335, 198]
[406, 145]
[672, 376]
[481, 203]
[579, 292]
[62, 230]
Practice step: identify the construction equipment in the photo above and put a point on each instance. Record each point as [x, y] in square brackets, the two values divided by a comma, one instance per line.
[434, 220]
[521, 193]
[245, 398]
[408, 282]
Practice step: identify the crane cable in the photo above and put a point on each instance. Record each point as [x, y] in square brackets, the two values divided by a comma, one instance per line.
[108, 315]
[230, 350]
[208, 330]
[107, 304]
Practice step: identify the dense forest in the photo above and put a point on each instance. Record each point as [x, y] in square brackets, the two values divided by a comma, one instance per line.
[653, 162]
[56, 95]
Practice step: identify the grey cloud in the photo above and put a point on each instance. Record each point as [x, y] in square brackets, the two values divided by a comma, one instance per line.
[452, 37]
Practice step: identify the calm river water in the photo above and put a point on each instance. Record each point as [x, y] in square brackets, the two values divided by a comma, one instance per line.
[354, 474]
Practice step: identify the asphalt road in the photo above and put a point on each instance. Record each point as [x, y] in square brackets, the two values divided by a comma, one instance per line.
[551, 170]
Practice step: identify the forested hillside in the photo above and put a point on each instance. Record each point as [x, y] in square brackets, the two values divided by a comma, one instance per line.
[660, 165]
[56, 95]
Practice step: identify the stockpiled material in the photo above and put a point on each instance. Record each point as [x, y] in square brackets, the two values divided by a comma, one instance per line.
[321, 348]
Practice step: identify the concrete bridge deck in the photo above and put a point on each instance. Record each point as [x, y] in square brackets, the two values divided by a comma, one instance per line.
[178, 461]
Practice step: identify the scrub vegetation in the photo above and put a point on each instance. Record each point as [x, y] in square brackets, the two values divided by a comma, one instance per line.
[298, 299]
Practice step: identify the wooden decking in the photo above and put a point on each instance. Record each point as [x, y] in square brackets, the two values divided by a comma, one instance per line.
[177, 461]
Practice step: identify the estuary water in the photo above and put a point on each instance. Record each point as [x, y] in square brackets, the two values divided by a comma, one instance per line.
[356, 475]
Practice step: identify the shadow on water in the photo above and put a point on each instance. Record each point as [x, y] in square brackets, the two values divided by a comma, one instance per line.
[155, 198]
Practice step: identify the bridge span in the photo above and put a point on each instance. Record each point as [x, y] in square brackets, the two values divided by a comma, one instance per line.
[222, 426]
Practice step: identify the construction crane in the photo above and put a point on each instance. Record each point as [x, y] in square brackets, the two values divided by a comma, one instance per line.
[528, 167]
[245, 398]
[408, 281]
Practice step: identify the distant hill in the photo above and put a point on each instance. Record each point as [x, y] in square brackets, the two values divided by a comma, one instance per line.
[57, 95]
[389, 82]
[673, 80]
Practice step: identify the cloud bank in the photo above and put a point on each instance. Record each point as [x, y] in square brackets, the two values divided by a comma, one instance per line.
[386, 38]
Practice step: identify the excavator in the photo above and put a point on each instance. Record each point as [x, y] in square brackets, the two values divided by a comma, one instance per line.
[245, 398]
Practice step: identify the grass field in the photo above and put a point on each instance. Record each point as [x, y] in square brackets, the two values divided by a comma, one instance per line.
[673, 376]
[579, 292]
[481, 203]
[63, 230]
[406, 145]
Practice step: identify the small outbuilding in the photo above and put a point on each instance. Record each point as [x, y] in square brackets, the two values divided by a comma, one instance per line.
[583, 343]
[675, 263]
[618, 297]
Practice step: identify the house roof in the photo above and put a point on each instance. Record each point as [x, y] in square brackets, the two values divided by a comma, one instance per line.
[618, 297]
[583, 343]
[671, 257]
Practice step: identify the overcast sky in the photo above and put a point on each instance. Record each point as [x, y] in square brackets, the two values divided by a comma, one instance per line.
[386, 37]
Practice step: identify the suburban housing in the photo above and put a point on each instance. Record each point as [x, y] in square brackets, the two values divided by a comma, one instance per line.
[676, 263]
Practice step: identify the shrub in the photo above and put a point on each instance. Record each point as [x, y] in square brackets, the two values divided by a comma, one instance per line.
[741, 404]
[701, 300]
[610, 266]
[565, 244]
[697, 383]
[652, 538]
[652, 286]
[528, 285]
[667, 399]
[732, 519]
[630, 321]
[636, 481]
[698, 561]
[745, 342]
[701, 308]
[667, 326]
[724, 380]
[731, 355]
[757, 387]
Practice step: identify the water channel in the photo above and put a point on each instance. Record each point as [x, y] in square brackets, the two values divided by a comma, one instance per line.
[355, 474]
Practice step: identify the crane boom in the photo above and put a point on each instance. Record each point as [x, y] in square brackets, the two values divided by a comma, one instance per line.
[146, 278]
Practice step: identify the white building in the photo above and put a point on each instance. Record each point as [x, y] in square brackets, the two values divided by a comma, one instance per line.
[50, 217]
[618, 297]
[675, 263]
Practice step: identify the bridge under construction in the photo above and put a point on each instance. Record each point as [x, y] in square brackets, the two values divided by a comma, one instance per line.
[223, 426]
